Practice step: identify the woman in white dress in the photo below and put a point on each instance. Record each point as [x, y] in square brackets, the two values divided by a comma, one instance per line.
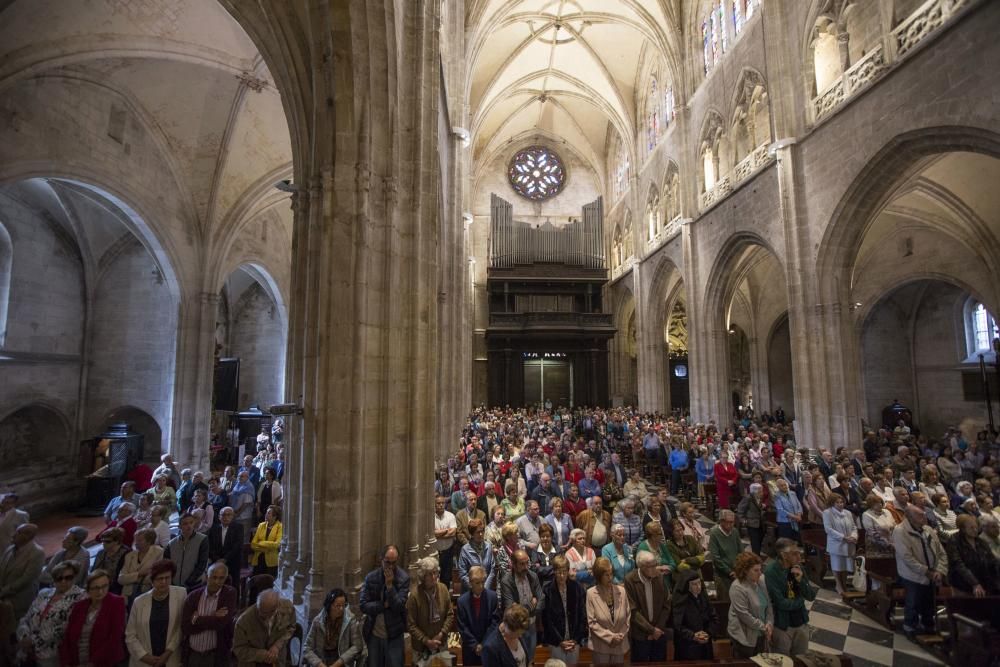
[841, 540]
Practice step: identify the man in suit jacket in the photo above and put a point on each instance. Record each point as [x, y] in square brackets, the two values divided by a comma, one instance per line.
[478, 616]
[649, 601]
[463, 517]
[10, 518]
[263, 630]
[488, 501]
[522, 586]
[207, 621]
[225, 543]
[20, 567]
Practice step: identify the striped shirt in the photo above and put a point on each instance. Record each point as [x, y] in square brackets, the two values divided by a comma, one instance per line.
[205, 641]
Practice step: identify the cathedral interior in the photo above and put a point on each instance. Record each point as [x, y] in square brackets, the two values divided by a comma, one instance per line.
[393, 211]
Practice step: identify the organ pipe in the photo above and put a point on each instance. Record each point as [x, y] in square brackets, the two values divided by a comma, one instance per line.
[512, 242]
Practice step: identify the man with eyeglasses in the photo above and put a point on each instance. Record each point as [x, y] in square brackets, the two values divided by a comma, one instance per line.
[383, 602]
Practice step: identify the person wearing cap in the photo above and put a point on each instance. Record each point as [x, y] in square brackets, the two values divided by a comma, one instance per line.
[789, 590]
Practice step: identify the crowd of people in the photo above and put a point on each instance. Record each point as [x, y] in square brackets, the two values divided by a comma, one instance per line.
[551, 531]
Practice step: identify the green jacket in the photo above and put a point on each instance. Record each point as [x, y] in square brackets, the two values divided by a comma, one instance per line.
[724, 549]
[776, 578]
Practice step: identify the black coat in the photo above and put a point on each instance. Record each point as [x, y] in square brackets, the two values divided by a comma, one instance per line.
[554, 619]
[375, 595]
[231, 551]
[475, 629]
[691, 615]
[497, 654]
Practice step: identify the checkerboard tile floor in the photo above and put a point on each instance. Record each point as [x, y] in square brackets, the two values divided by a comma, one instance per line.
[838, 628]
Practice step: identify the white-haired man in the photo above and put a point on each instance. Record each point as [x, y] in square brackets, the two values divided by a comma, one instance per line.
[263, 630]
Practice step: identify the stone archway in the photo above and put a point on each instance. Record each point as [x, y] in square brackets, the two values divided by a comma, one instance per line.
[143, 423]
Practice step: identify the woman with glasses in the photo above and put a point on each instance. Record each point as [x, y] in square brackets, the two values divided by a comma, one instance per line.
[42, 628]
[153, 633]
[95, 632]
[111, 557]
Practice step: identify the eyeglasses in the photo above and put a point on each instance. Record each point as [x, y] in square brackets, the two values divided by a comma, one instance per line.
[66, 577]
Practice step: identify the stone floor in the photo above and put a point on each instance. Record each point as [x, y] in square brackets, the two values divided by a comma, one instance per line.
[52, 528]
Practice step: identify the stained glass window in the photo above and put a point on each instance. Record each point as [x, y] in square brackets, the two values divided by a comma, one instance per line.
[536, 173]
[652, 117]
[742, 11]
[984, 328]
[622, 168]
[713, 33]
[720, 25]
[706, 37]
[668, 106]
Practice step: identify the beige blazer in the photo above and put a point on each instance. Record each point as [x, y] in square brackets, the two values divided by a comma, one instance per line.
[129, 576]
[602, 624]
[137, 629]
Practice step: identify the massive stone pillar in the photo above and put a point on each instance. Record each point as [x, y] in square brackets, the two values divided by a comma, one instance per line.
[194, 364]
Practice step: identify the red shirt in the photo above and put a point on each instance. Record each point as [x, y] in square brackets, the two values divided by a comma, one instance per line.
[573, 508]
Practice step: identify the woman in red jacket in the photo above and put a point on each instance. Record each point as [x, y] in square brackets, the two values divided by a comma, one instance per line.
[726, 479]
[95, 634]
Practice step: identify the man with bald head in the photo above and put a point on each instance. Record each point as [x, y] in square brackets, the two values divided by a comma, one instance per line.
[207, 621]
[922, 564]
[263, 630]
[20, 568]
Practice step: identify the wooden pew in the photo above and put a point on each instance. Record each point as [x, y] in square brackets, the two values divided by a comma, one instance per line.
[880, 602]
[975, 628]
[816, 563]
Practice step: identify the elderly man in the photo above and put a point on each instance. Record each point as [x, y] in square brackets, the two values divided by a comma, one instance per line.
[922, 564]
[521, 586]
[724, 545]
[543, 494]
[528, 525]
[383, 602]
[596, 523]
[128, 495]
[189, 552]
[991, 533]
[470, 513]
[225, 543]
[252, 471]
[263, 630]
[489, 500]
[649, 601]
[460, 497]
[243, 498]
[789, 589]
[168, 470]
[478, 615]
[10, 518]
[445, 531]
[429, 614]
[900, 501]
[20, 567]
[125, 521]
[207, 621]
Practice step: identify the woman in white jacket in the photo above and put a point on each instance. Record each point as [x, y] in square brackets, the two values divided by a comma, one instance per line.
[841, 540]
[154, 625]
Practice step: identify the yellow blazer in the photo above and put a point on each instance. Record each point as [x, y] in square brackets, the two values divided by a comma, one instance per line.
[262, 546]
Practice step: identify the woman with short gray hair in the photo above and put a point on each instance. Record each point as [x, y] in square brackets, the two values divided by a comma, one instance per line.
[72, 550]
[42, 628]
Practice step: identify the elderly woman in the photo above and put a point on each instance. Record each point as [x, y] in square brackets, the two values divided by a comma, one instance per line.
[841, 540]
[561, 523]
[269, 492]
[684, 549]
[727, 478]
[607, 617]
[111, 557]
[930, 482]
[153, 633]
[476, 552]
[134, 575]
[159, 525]
[335, 635]
[506, 647]
[513, 503]
[494, 531]
[619, 553]
[693, 617]
[266, 543]
[655, 544]
[95, 632]
[817, 497]
[581, 558]
[751, 513]
[629, 520]
[144, 511]
[199, 502]
[947, 519]
[878, 524]
[688, 517]
[751, 616]
[163, 494]
[429, 614]
[653, 513]
[72, 550]
[41, 629]
[972, 568]
[564, 617]
[504, 552]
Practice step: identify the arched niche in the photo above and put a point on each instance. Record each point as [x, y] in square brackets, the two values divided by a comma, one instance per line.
[35, 434]
[779, 368]
[143, 423]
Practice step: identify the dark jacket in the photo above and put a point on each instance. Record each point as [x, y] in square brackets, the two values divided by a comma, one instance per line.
[375, 595]
[751, 512]
[231, 551]
[641, 624]
[972, 565]
[496, 653]
[554, 618]
[221, 625]
[107, 639]
[475, 629]
[509, 594]
[691, 614]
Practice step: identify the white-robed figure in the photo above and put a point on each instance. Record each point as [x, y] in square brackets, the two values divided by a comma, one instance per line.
[154, 624]
[841, 540]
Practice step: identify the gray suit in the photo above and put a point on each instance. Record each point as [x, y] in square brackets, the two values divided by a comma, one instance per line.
[20, 569]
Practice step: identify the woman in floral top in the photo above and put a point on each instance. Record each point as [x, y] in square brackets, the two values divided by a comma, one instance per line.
[41, 629]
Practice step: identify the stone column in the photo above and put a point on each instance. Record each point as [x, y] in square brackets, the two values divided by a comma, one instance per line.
[194, 376]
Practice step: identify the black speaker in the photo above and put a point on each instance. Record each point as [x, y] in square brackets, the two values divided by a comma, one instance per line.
[227, 385]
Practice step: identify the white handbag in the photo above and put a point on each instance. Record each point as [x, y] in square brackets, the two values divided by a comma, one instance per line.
[859, 580]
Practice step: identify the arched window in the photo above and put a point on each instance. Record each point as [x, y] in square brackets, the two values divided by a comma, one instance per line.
[671, 194]
[627, 248]
[617, 256]
[652, 215]
[668, 110]
[6, 262]
[982, 327]
[713, 34]
[743, 10]
[652, 117]
[622, 172]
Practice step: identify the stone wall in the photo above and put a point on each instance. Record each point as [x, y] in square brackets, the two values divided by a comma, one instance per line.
[257, 337]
